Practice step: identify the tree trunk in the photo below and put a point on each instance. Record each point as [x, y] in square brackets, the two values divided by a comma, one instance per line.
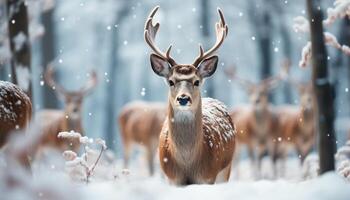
[287, 54]
[111, 119]
[48, 55]
[265, 45]
[323, 89]
[261, 21]
[19, 44]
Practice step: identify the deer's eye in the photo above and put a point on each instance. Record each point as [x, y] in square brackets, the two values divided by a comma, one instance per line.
[196, 83]
[171, 83]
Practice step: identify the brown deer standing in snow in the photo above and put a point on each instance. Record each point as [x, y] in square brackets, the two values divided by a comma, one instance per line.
[197, 141]
[53, 121]
[141, 122]
[256, 123]
[15, 114]
[15, 110]
[297, 125]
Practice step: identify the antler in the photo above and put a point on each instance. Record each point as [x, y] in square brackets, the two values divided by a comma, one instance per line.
[90, 84]
[221, 33]
[272, 81]
[150, 35]
[231, 73]
[48, 76]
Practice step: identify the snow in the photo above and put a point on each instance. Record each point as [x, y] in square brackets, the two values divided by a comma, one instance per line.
[23, 77]
[216, 121]
[107, 180]
[341, 9]
[301, 24]
[19, 40]
[316, 189]
[305, 55]
[69, 135]
[331, 40]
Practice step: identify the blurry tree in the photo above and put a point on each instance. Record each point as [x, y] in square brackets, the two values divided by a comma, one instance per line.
[205, 32]
[324, 92]
[279, 8]
[48, 55]
[3, 40]
[261, 20]
[19, 44]
[344, 38]
[115, 63]
[2, 71]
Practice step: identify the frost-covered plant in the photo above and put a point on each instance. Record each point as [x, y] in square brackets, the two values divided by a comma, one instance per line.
[344, 169]
[301, 24]
[83, 167]
[310, 168]
[343, 157]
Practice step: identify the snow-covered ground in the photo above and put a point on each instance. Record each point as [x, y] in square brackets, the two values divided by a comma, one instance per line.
[328, 186]
[59, 177]
[50, 182]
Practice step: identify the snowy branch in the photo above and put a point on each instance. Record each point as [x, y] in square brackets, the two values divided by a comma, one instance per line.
[341, 9]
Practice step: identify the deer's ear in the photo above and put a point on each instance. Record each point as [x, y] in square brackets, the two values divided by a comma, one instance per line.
[159, 65]
[208, 66]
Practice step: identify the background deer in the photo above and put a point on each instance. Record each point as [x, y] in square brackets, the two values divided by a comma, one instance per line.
[55, 121]
[141, 122]
[256, 123]
[297, 125]
[15, 110]
[197, 139]
[15, 114]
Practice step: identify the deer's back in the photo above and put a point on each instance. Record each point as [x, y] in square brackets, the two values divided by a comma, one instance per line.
[241, 117]
[219, 132]
[51, 122]
[288, 117]
[141, 120]
[15, 109]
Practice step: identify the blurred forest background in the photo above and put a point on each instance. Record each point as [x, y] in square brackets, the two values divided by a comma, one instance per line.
[107, 36]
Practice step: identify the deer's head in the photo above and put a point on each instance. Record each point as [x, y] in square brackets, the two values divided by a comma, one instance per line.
[306, 98]
[258, 92]
[184, 80]
[73, 99]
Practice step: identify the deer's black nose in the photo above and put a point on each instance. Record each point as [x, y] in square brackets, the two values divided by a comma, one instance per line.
[183, 100]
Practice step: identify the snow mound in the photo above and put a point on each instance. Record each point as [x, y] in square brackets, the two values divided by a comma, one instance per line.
[328, 186]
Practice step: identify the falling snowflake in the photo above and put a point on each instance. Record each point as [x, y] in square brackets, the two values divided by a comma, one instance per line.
[143, 92]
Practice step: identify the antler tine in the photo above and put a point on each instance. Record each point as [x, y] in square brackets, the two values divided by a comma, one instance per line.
[221, 30]
[231, 72]
[283, 75]
[90, 84]
[150, 35]
[48, 76]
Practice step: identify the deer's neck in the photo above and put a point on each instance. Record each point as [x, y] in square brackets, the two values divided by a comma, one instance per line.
[307, 114]
[261, 114]
[185, 130]
[74, 123]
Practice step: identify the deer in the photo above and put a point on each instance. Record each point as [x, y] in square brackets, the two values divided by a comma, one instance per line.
[15, 116]
[140, 122]
[297, 125]
[197, 140]
[256, 123]
[15, 110]
[54, 121]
